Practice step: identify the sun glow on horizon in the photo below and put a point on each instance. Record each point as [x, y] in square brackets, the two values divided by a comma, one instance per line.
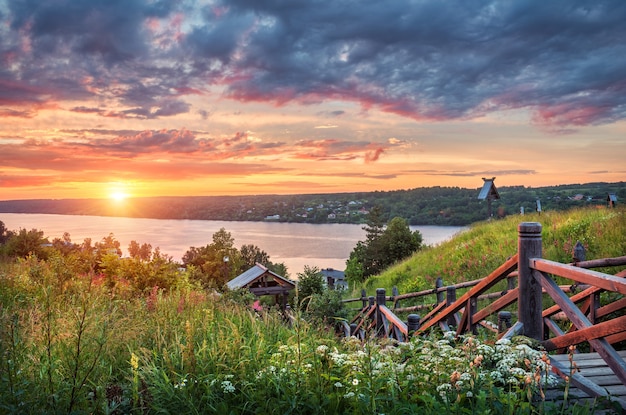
[118, 192]
[118, 196]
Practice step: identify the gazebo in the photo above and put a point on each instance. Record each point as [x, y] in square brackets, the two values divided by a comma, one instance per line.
[261, 281]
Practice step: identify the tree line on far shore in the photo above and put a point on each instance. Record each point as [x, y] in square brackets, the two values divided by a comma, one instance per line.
[421, 206]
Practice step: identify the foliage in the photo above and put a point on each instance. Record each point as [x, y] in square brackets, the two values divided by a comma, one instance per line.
[383, 247]
[24, 243]
[310, 282]
[216, 263]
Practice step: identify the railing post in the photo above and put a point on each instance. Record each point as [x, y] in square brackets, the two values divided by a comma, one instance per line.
[364, 297]
[450, 299]
[413, 323]
[438, 285]
[395, 293]
[504, 321]
[380, 300]
[529, 304]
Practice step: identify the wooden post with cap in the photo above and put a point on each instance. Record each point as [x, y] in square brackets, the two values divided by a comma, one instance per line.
[530, 296]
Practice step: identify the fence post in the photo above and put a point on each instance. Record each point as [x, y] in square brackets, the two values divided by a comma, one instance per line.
[413, 323]
[529, 304]
[380, 300]
[438, 285]
[395, 293]
[364, 297]
[450, 299]
[504, 321]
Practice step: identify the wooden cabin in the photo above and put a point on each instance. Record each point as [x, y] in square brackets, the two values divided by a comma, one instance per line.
[261, 281]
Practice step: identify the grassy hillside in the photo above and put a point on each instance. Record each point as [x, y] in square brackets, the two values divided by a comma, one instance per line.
[476, 252]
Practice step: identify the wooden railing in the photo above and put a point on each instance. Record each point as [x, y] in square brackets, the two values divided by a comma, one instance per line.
[590, 322]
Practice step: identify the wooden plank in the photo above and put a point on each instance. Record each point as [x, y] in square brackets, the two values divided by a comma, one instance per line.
[596, 331]
[581, 382]
[598, 279]
[513, 331]
[611, 308]
[483, 285]
[602, 346]
[499, 304]
[434, 311]
[395, 320]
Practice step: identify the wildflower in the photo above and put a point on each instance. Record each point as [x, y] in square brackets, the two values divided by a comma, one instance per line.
[338, 385]
[227, 386]
[134, 361]
[349, 395]
[455, 376]
[469, 394]
[355, 382]
[322, 349]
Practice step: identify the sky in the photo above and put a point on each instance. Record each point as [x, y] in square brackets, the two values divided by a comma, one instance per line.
[103, 98]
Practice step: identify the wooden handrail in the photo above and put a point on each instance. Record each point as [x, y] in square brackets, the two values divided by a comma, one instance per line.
[484, 284]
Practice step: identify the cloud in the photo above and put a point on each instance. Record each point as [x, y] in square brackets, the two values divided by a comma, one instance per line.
[430, 172]
[564, 61]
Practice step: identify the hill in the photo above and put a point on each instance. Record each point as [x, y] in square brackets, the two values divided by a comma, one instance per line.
[476, 252]
[420, 206]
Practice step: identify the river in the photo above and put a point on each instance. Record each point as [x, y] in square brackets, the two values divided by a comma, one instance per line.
[295, 244]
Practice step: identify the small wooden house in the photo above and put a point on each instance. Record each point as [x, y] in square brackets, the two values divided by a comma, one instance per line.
[334, 279]
[261, 281]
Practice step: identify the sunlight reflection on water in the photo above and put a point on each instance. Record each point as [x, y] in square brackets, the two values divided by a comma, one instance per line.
[295, 244]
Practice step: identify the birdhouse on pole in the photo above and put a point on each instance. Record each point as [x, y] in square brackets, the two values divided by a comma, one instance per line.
[489, 193]
[611, 199]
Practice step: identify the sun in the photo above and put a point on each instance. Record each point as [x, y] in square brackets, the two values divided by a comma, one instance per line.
[118, 196]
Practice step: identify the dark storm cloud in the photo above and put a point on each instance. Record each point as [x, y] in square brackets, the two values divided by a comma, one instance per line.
[564, 60]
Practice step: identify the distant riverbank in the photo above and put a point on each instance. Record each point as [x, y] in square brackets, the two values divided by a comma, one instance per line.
[295, 244]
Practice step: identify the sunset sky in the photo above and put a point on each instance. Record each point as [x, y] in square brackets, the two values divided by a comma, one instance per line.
[157, 97]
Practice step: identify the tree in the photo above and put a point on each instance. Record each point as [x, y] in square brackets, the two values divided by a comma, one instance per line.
[214, 264]
[251, 255]
[399, 241]
[383, 247]
[143, 251]
[25, 243]
[5, 234]
[310, 282]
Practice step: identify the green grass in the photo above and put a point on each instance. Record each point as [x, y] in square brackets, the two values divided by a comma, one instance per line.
[478, 251]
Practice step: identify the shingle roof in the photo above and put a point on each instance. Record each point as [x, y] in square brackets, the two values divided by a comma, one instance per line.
[252, 274]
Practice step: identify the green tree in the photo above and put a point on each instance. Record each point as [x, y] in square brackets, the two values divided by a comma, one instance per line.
[310, 282]
[251, 255]
[142, 252]
[399, 241]
[25, 243]
[214, 264]
[5, 234]
[383, 247]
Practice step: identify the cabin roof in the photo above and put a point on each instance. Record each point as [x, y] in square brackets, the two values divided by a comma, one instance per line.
[489, 190]
[336, 274]
[253, 274]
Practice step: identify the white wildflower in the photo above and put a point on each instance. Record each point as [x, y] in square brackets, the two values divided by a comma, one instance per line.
[227, 386]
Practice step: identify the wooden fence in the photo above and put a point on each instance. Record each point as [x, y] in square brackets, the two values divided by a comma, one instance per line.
[530, 279]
